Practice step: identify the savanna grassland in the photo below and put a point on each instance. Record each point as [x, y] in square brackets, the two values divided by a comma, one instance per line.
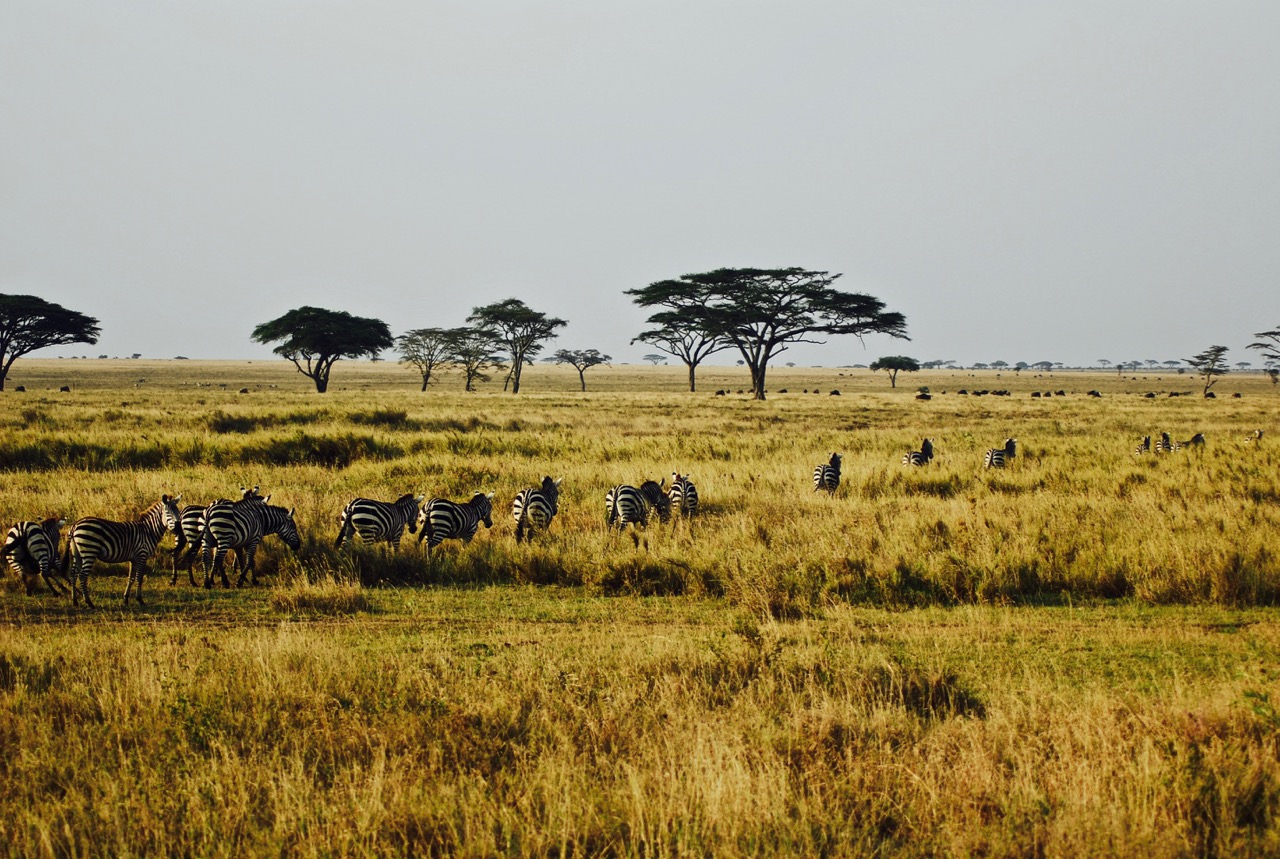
[1076, 655]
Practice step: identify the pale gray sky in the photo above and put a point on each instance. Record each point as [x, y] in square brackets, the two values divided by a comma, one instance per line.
[1024, 180]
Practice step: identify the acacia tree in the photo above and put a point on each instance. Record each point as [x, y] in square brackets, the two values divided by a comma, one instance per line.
[679, 335]
[28, 323]
[519, 328]
[1210, 363]
[655, 360]
[582, 360]
[425, 349]
[761, 312]
[475, 350]
[894, 363]
[1268, 344]
[314, 338]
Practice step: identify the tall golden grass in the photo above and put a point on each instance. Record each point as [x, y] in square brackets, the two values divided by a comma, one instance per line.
[1073, 656]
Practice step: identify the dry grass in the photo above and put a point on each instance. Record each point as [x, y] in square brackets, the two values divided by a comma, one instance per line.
[1075, 656]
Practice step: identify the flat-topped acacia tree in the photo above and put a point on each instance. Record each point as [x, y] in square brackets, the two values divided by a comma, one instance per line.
[761, 312]
[28, 323]
[314, 338]
[520, 328]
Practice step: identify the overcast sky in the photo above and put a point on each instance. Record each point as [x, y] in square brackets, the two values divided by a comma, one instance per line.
[1023, 180]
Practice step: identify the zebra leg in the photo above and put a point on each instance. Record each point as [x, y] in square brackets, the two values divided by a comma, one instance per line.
[250, 565]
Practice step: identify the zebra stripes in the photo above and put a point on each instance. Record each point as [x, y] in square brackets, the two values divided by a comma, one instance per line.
[190, 530]
[1196, 440]
[92, 539]
[1253, 437]
[1165, 444]
[533, 509]
[1145, 447]
[379, 521]
[827, 476]
[242, 525]
[683, 495]
[442, 519]
[31, 550]
[626, 505]
[921, 456]
[999, 457]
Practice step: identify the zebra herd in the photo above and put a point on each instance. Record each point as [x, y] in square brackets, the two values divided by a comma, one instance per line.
[226, 526]
[238, 526]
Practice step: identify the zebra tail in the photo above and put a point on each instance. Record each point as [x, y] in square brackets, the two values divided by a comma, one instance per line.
[343, 532]
[65, 565]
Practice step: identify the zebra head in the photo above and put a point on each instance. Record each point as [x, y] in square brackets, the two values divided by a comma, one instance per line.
[551, 489]
[279, 521]
[926, 448]
[1011, 447]
[250, 494]
[835, 462]
[483, 505]
[406, 505]
[170, 516]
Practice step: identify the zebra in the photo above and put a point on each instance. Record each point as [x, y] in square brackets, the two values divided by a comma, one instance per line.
[683, 495]
[1253, 437]
[1165, 444]
[92, 539]
[190, 529]
[533, 509]
[374, 521]
[998, 457]
[242, 525]
[31, 549]
[655, 495]
[1145, 447]
[828, 476]
[442, 519]
[921, 456]
[626, 505]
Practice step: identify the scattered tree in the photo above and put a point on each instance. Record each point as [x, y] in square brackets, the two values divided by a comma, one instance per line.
[1172, 364]
[679, 335]
[894, 363]
[655, 360]
[426, 349]
[1210, 363]
[761, 312]
[1268, 344]
[999, 365]
[522, 330]
[314, 338]
[1244, 365]
[582, 360]
[28, 323]
[475, 351]
[1020, 366]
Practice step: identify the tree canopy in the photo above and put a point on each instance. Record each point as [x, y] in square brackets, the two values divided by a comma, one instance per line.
[681, 336]
[475, 350]
[1210, 363]
[761, 312]
[894, 363]
[28, 323]
[425, 349]
[1268, 344]
[581, 360]
[314, 338]
[518, 327]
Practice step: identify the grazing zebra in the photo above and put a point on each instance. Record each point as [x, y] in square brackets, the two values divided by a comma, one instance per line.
[242, 525]
[683, 495]
[1145, 447]
[655, 495]
[828, 476]
[921, 456]
[998, 457]
[92, 539]
[31, 548]
[442, 519]
[533, 509]
[375, 521]
[1165, 444]
[626, 505]
[1253, 437]
[190, 529]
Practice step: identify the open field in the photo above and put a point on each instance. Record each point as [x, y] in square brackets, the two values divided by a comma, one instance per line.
[1075, 655]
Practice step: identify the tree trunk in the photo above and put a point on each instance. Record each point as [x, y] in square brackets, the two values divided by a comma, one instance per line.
[515, 380]
[425, 378]
[692, 368]
[322, 382]
[757, 381]
[582, 377]
[893, 378]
